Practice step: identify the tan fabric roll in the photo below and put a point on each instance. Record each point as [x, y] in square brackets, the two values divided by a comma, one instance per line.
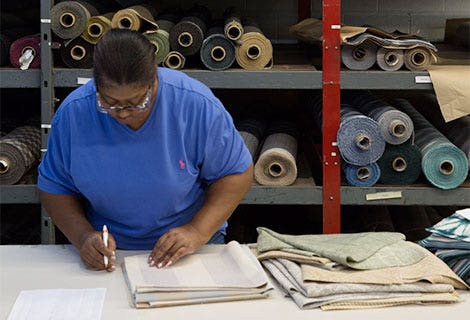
[276, 165]
[134, 18]
[418, 59]
[255, 51]
[96, 27]
[174, 60]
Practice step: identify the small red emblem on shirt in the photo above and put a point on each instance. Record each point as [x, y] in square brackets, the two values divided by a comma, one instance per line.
[182, 164]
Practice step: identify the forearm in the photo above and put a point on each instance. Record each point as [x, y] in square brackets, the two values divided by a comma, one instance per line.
[223, 196]
[67, 214]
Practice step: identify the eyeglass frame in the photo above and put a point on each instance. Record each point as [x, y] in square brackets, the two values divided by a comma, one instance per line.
[140, 107]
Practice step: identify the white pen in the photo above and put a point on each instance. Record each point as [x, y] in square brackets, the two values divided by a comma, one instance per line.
[105, 240]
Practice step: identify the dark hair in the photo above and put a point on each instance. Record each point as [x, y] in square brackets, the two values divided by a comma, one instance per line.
[124, 57]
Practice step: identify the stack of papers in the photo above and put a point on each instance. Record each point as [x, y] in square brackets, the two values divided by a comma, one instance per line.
[212, 274]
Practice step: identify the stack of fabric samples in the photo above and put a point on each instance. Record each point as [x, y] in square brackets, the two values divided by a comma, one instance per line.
[450, 241]
[355, 271]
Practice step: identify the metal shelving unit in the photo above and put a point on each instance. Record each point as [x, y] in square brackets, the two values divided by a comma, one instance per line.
[14, 78]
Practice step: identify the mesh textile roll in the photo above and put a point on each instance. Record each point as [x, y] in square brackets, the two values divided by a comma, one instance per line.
[400, 164]
[252, 132]
[137, 18]
[443, 164]
[19, 151]
[233, 28]
[77, 53]
[396, 127]
[69, 18]
[361, 176]
[217, 52]
[188, 34]
[390, 59]
[174, 60]
[255, 51]
[5, 43]
[96, 27]
[19, 46]
[276, 165]
[418, 59]
[359, 57]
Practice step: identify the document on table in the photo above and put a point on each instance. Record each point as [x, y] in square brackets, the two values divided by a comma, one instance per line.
[52, 304]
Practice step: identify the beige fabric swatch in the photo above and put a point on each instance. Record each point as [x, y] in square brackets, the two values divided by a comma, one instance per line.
[290, 256]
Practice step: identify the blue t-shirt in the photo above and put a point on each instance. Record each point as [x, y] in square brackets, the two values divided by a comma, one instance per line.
[142, 183]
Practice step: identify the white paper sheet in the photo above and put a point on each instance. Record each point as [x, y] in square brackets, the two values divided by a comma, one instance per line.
[63, 304]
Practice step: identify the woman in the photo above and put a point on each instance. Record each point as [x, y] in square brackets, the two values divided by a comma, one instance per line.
[154, 156]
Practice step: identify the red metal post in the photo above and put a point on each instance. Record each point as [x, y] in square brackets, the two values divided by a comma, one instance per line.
[331, 114]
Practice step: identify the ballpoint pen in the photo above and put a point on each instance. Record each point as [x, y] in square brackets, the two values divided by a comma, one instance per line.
[105, 240]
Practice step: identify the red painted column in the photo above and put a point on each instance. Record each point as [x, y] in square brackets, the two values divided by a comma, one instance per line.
[331, 107]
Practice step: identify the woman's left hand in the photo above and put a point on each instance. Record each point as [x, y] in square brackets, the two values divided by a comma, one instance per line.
[175, 244]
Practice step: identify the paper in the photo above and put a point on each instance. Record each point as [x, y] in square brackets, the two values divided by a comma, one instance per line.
[60, 304]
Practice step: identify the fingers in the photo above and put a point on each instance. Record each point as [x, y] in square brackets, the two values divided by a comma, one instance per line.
[93, 250]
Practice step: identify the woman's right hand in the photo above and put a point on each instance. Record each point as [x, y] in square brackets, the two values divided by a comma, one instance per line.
[92, 251]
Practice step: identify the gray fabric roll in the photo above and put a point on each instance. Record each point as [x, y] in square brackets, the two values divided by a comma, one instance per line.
[390, 59]
[217, 52]
[252, 132]
[418, 59]
[359, 57]
[69, 18]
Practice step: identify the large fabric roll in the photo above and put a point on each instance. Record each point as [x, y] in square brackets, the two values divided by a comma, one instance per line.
[252, 132]
[77, 53]
[138, 18]
[276, 165]
[188, 34]
[217, 52]
[96, 27]
[396, 127]
[19, 151]
[390, 59]
[418, 59]
[25, 52]
[400, 164]
[159, 39]
[255, 51]
[361, 176]
[69, 18]
[233, 28]
[174, 60]
[443, 164]
[359, 57]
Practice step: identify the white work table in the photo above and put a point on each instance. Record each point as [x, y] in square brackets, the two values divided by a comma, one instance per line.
[28, 267]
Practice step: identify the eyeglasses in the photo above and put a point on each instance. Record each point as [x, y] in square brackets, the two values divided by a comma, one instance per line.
[140, 107]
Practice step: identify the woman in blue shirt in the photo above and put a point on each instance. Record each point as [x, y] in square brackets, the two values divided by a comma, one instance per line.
[149, 152]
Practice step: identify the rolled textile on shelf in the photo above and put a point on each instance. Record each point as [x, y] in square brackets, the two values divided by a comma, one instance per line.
[255, 51]
[217, 52]
[134, 18]
[5, 43]
[69, 18]
[418, 59]
[390, 59]
[233, 28]
[174, 60]
[443, 164]
[400, 164]
[19, 151]
[77, 53]
[276, 165]
[396, 127]
[25, 52]
[252, 133]
[361, 176]
[359, 57]
[96, 27]
[188, 34]
[159, 39]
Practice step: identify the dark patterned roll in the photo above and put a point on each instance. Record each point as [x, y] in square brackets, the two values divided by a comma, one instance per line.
[69, 18]
[19, 151]
[217, 52]
[77, 53]
[252, 133]
[25, 52]
[400, 164]
[361, 176]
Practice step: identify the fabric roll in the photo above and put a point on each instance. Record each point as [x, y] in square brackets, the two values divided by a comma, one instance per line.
[174, 60]
[359, 57]
[217, 52]
[77, 53]
[138, 18]
[188, 34]
[19, 151]
[396, 127]
[69, 18]
[96, 27]
[276, 165]
[7, 37]
[252, 132]
[418, 59]
[5, 43]
[400, 164]
[443, 164]
[233, 28]
[160, 40]
[390, 59]
[361, 176]
[255, 51]
[25, 52]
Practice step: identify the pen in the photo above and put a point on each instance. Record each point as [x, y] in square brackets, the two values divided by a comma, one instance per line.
[105, 240]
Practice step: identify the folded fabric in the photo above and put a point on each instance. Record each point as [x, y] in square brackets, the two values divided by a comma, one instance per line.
[274, 254]
[434, 242]
[368, 250]
[430, 269]
[456, 226]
